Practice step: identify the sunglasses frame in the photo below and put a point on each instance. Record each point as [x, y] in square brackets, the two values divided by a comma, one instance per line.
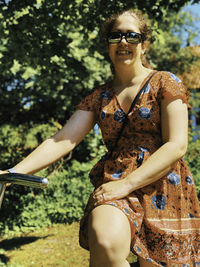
[121, 34]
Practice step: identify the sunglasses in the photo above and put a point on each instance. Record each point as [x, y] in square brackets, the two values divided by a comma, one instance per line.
[131, 37]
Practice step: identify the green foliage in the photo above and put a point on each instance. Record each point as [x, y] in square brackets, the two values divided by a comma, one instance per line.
[63, 201]
[18, 141]
[51, 53]
[168, 51]
[193, 160]
[65, 198]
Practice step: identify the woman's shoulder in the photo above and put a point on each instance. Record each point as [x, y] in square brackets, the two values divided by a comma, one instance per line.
[107, 86]
[102, 90]
[93, 99]
[167, 75]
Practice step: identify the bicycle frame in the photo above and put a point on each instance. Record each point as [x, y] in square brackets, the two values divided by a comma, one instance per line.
[21, 179]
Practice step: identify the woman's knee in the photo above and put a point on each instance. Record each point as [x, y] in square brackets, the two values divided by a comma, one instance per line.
[109, 230]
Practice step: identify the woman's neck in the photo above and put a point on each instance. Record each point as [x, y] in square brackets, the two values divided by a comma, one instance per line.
[129, 76]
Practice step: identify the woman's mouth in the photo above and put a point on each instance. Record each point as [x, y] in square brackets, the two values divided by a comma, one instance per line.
[123, 52]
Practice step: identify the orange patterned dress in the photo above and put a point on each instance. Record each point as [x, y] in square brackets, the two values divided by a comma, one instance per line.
[165, 215]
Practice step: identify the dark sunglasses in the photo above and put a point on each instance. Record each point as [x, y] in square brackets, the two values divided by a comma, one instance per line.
[131, 37]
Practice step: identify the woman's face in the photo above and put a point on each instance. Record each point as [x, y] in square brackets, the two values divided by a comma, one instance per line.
[124, 52]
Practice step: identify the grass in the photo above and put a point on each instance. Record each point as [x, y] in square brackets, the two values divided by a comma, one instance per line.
[55, 246]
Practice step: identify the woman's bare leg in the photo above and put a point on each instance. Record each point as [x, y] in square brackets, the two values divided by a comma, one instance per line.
[109, 237]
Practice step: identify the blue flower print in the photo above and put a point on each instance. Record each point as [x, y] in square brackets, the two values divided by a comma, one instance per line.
[105, 94]
[190, 215]
[159, 202]
[136, 224]
[140, 157]
[113, 204]
[117, 174]
[173, 178]
[138, 249]
[143, 149]
[119, 115]
[127, 211]
[103, 115]
[147, 89]
[174, 77]
[149, 260]
[188, 180]
[144, 113]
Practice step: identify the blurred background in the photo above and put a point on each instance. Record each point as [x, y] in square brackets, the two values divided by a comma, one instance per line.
[51, 56]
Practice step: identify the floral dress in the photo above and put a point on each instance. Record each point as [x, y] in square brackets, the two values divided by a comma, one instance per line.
[165, 215]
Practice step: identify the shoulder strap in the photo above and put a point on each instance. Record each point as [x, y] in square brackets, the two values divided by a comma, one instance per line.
[140, 92]
[131, 107]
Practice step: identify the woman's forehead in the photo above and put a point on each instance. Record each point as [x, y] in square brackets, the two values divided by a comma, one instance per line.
[126, 22]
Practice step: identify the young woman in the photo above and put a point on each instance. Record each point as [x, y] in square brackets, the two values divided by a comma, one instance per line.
[144, 197]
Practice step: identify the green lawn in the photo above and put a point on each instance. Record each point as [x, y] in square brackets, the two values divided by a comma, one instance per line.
[54, 246]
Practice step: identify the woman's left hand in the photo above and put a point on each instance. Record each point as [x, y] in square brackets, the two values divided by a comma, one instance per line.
[110, 191]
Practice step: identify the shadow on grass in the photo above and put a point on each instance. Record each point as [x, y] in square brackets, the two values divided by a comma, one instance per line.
[17, 242]
[4, 258]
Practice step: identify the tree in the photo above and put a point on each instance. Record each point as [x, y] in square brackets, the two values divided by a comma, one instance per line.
[51, 53]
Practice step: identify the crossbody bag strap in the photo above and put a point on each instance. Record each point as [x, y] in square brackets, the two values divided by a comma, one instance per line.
[131, 107]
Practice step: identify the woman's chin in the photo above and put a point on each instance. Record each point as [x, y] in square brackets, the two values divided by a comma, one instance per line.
[125, 61]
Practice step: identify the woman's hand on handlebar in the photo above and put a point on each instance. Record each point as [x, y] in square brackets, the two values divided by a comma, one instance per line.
[2, 172]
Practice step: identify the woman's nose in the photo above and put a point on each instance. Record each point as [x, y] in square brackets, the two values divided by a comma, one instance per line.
[123, 40]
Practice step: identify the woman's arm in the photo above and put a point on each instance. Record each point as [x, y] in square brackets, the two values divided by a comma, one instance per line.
[60, 144]
[174, 121]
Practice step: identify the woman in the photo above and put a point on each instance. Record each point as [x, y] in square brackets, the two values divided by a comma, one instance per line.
[144, 196]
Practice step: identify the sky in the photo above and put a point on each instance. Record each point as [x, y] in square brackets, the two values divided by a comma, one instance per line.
[195, 10]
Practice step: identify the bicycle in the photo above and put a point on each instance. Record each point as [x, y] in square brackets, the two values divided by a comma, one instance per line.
[20, 179]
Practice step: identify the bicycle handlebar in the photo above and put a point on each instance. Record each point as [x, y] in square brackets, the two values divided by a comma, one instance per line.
[24, 179]
[21, 179]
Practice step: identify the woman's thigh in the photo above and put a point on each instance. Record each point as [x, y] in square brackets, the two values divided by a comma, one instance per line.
[109, 227]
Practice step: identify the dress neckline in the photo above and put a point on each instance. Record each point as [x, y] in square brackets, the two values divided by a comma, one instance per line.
[140, 87]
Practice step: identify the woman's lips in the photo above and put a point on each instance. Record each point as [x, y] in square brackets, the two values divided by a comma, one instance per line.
[123, 52]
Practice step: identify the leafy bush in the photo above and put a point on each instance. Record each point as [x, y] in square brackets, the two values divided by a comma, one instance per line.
[193, 160]
[18, 141]
[62, 202]
[66, 196]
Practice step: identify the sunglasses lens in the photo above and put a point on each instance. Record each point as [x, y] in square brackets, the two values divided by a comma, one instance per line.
[114, 38]
[133, 38]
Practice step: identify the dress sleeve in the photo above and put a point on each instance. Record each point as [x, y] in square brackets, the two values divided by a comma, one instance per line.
[172, 86]
[91, 102]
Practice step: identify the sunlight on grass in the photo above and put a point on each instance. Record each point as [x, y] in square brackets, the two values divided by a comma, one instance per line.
[55, 246]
